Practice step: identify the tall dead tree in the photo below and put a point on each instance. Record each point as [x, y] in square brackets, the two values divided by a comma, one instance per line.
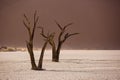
[62, 37]
[31, 31]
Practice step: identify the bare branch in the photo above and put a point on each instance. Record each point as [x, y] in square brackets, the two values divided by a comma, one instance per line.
[35, 22]
[25, 25]
[28, 28]
[36, 19]
[63, 31]
[42, 32]
[51, 39]
[58, 25]
[67, 35]
[26, 18]
[72, 34]
[35, 15]
[67, 26]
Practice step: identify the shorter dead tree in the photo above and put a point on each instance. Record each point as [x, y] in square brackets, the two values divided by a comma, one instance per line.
[46, 39]
[62, 37]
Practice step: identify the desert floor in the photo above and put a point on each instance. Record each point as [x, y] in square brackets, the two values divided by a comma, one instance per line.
[73, 65]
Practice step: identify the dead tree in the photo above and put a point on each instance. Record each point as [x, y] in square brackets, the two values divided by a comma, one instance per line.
[31, 31]
[62, 37]
[47, 39]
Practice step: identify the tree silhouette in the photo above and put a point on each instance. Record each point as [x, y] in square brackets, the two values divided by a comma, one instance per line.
[31, 31]
[49, 38]
[46, 39]
[62, 37]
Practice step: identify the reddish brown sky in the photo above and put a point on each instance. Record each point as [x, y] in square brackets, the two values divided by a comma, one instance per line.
[98, 21]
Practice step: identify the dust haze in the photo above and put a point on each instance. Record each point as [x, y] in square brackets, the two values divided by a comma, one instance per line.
[97, 21]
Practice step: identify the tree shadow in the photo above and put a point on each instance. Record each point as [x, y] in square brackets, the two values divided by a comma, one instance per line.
[67, 70]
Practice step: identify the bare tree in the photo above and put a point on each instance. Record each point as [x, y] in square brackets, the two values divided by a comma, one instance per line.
[47, 39]
[31, 31]
[62, 37]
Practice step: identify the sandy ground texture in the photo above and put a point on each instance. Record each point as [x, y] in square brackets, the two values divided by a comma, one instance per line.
[73, 65]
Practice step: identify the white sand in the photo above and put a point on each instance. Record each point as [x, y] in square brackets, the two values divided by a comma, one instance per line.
[73, 65]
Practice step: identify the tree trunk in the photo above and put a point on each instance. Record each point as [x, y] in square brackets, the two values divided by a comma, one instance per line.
[53, 53]
[30, 50]
[55, 57]
[56, 54]
[41, 56]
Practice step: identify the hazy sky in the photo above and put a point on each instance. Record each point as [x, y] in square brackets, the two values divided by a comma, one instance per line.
[98, 21]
